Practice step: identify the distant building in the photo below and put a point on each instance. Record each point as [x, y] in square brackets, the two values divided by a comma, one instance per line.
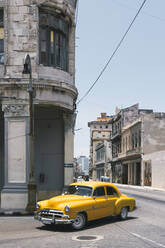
[83, 161]
[103, 160]
[100, 132]
[133, 149]
[121, 119]
[138, 147]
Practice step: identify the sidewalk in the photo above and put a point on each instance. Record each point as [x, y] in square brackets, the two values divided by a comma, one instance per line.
[14, 212]
[146, 188]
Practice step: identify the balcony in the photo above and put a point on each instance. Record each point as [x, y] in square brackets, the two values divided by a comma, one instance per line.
[116, 135]
[100, 162]
[131, 153]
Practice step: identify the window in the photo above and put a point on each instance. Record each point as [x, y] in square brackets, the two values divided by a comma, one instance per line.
[111, 191]
[126, 144]
[54, 32]
[132, 141]
[1, 38]
[100, 154]
[99, 191]
[79, 190]
[139, 138]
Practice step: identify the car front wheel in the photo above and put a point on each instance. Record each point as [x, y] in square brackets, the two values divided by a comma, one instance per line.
[79, 221]
[124, 213]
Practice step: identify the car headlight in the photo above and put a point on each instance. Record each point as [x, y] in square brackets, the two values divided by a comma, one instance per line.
[67, 208]
[37, 206]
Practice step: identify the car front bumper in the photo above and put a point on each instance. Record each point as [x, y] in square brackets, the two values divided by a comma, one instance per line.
[52, 219]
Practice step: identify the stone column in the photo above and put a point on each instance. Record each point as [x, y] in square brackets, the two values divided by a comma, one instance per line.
[142, 172]
[16, 128]
[68, 148]
[129, 173]
[135, 169]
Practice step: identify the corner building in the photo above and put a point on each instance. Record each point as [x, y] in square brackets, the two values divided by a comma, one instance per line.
[44, 29]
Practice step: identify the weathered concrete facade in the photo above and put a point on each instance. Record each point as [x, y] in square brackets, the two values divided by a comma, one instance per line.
[153, 155]
[103, 159]
[122, 118]
[46, 31]
[137, 147]
[100, 132]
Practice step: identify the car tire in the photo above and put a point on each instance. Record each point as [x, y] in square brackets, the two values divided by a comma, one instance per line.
[79, 221]
[124, 213]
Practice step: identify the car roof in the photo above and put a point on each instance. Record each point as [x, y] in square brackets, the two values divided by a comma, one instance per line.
[95, 184]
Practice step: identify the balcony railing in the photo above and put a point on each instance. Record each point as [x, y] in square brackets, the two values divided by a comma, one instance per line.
[132, 152]
[115, 134]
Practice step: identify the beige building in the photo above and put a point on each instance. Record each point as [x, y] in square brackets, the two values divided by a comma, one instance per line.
[45, 30]
[100, 131]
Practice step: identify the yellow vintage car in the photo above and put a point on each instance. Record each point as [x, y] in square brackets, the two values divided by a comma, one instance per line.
[82, 202]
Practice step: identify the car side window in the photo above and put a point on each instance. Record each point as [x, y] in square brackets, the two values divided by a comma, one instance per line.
[99, 192]
[111, 191]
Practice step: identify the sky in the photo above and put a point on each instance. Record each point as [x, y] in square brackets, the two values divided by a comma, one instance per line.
[136, 73]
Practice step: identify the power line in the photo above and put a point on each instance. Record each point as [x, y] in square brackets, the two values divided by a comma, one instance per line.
[117, 47]
[144, 12]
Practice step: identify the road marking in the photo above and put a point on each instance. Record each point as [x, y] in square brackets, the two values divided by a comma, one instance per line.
[149, 240]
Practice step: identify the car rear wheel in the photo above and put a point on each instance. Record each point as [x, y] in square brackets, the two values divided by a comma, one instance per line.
[79, 221]
[124, 213]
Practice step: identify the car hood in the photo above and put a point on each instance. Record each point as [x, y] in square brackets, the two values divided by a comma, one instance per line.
[59, 202]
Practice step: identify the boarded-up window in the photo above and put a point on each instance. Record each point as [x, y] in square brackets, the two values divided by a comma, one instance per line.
[54, 32]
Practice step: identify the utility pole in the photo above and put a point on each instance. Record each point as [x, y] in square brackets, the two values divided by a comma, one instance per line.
[31, 184]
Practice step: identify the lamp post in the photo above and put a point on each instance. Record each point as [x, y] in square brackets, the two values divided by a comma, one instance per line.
[31, 184]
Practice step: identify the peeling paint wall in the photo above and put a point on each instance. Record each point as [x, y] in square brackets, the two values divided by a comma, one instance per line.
[154, 134]
[158, 168]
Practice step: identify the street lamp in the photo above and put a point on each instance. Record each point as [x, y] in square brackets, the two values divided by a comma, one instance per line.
[31, 184]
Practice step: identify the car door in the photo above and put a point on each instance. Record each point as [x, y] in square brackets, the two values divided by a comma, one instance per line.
[112, 197]
[100, 206]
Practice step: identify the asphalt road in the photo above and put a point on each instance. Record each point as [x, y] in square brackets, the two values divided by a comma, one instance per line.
[145, 228]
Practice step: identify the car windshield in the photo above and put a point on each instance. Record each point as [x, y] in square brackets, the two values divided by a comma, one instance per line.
[79, 190]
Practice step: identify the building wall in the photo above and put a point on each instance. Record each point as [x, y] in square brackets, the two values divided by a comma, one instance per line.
[100, 131]
[153, 133]
[157, 161]
[143, 146]
[54, 89]
[154, 148]
[49, 151]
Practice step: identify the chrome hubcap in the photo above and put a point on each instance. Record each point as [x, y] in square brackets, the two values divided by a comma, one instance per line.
[124, 212]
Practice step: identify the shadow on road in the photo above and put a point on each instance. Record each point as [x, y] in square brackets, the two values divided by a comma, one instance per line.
[90, 225]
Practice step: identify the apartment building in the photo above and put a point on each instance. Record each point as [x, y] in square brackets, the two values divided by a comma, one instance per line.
[100, 132]
[138, 147]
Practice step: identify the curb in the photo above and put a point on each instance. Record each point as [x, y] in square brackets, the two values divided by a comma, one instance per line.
[146, 188]
[9, 212]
